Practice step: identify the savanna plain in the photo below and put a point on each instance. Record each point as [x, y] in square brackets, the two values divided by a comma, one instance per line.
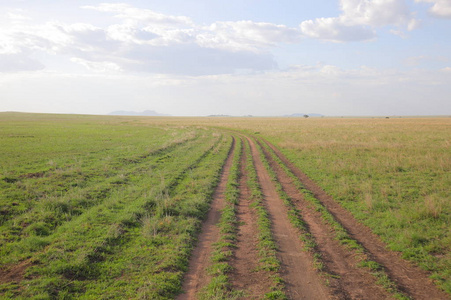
[116, 207]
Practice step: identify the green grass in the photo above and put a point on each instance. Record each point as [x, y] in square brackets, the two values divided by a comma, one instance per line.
[94, 189]
[266, 243]
[392, 174]
[395, 179]
[112, 214]
[219, 286]
[341, 233]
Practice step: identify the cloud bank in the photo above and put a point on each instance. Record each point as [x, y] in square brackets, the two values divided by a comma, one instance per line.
[358, 20]
[141, 40]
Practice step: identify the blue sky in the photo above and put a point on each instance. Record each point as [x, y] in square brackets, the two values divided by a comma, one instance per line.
[247, 57]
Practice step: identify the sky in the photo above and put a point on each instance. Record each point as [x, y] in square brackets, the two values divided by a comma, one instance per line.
[235, 57]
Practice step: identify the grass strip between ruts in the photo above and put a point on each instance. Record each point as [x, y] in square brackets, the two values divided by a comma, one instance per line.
[266, 243]
[219, 286]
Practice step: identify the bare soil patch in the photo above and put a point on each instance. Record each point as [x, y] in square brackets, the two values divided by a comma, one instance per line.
[410, 279]
[14, 273]
[33, 175]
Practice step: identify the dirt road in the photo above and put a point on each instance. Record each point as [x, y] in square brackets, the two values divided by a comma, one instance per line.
[341, 276]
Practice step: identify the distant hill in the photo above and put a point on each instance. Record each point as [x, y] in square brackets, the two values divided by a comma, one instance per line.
[296, 115]
[150, 113]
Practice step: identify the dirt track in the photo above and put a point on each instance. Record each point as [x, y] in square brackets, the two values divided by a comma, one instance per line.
[246, 276]
[410, 279]
[197, 276]
[301, 280]
[345, 280]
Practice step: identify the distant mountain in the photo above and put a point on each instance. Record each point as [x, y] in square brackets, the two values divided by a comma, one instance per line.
[150, 113]
[302, 115]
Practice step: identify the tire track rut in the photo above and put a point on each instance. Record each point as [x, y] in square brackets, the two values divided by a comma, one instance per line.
[245, 276]
[349, 281]
[196, 277]
[409, 278]
[302, 282]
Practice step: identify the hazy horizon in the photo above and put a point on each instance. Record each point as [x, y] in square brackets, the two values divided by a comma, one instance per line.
[237, 116]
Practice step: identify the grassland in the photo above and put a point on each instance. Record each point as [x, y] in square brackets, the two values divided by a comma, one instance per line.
[92, 209]
[394, 175]
[110, 207]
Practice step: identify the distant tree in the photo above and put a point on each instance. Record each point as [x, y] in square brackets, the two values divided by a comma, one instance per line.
[305, 116]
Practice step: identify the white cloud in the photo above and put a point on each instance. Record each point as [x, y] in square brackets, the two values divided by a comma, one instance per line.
[440, 8]
[375, 13]
[413, 24]
[25, 37]
[146, 41]
[245, 35]
[359, 19]
[7, 44]
[330, 70]
[102, 66]
[334, 29]
[17, 17]
[399, 33]
[133, 14]
[143, 26]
